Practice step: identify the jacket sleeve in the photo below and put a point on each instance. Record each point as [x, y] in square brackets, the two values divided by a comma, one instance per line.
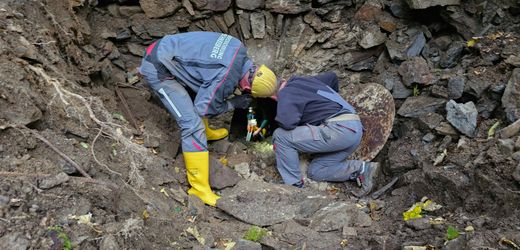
[289, 110]
[330, 79]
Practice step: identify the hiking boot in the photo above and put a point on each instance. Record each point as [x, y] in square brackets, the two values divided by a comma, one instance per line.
[366, 178]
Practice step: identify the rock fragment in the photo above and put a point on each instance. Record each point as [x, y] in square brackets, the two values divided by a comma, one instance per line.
[159, 8]
[250, 4]
[418, 105]
[423, 4]
[415, 70]
[456, 87]
[258, 25]
[288, 6]
[510, 98]
[245, 24]
[372, 37]
[462, 116]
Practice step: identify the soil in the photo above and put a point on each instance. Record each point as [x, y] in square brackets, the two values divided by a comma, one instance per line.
[60, 65]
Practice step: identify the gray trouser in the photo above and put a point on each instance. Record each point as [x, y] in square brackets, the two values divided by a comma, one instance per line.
[331, 143]
[178, 102]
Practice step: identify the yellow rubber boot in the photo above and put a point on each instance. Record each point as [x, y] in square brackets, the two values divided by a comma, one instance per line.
[197, 170]
[214, 134]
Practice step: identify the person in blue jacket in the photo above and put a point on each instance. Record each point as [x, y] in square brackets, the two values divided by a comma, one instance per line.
[314, 118]
[212, 65]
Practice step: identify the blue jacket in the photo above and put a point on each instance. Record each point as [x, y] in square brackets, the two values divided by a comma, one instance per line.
[209, 63]
[300, 103]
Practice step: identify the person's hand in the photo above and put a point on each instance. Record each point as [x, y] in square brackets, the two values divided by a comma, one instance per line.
[240, 101]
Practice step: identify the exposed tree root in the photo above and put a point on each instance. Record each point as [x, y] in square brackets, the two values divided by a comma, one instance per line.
[137, 155]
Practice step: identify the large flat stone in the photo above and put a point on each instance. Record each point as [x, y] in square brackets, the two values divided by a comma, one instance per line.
[297, 236]
[337, 215]
[418, 105]
[265, 204]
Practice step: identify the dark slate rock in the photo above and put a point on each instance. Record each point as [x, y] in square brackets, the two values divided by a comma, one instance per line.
[53, 181]
[128, 11]
[123, 34]
[400, 159]
[415, 70]
[229, 17]
[418, 105]
[288, 6]
[476, 86]
[506, 146]
[445, 128]
[221, 177]
[109, 242]
[245, 24]
[431, 120]
[400, 9]
[456, 244]
[439, 91]
[456, 87]
[465, 24]
[250, 4]
[418, 42]
[428, 137]
[462, 116]
[14, 241]
[337, 215]
[372, 37]
[419, 223]
[516, 173]
[393, 83]
[265, 204]
[451, 56]
[258, 25]
[212, 5]
[247, 245]
[510, 98]
[159, 8]
[300, 237]
[405, 45]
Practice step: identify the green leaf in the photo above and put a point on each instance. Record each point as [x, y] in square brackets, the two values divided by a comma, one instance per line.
[84, 145]
[452, 233]
[416, 91]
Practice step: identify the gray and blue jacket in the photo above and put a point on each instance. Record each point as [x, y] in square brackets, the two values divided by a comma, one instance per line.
[310, 100]
[209, 63]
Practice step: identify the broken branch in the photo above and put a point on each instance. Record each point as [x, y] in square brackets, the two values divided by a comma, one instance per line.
[63, 155]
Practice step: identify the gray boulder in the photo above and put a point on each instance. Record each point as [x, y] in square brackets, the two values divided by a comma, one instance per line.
[462, 116]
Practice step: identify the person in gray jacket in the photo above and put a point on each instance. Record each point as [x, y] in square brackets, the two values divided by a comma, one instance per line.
[212, 65]
[315, 119]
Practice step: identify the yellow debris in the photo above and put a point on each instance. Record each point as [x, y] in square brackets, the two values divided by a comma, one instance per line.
[146, 215]
[223, 160]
